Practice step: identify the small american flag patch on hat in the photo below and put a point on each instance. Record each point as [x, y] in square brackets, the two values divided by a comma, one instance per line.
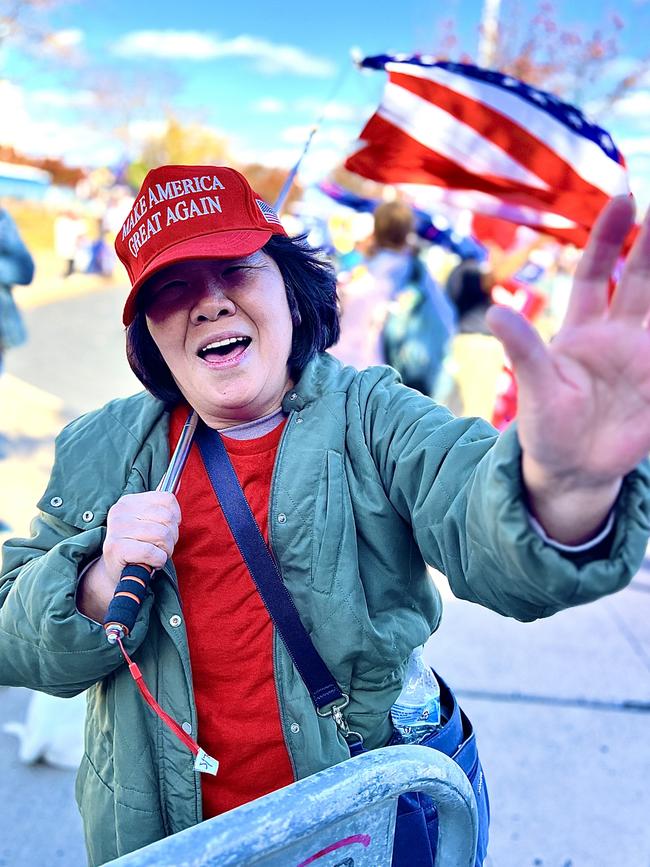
[268, 213]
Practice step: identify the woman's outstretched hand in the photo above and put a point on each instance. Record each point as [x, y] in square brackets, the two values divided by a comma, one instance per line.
[584, 399]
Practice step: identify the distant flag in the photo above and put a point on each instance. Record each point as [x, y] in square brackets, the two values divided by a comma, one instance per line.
[495, 144]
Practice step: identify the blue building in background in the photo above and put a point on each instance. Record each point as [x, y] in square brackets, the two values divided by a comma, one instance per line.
[23, 182]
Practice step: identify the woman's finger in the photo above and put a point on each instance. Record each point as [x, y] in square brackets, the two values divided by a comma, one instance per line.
[150, 505]
[631, 298]
[161, 535]
[123, 552]
[590, 293]
[525, 348]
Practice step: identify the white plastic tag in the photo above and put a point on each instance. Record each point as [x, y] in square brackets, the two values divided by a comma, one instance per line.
[205, 764]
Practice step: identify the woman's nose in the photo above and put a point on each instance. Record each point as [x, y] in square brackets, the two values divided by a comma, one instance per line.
[212, 304]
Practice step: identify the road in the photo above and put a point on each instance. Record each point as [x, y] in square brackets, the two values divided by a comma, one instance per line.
[562, 707]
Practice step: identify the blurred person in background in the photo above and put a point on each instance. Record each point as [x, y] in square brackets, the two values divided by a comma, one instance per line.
[355, 482]
[16, 267]
[393, 311]
[69, 235]
[477, 356]
[468, 287]
[101, 258]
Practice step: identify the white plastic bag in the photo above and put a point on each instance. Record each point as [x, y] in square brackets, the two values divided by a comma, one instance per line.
[52, 731]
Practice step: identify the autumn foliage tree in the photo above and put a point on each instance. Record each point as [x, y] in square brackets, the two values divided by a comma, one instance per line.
[25, 22]
[62, 174]
[180, 143]
[568, 60]
[195, 144]
[268, 182]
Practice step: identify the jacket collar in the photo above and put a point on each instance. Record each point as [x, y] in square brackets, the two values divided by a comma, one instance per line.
[323, 375]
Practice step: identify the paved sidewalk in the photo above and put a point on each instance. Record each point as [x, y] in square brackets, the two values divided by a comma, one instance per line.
[39, 821]
[562, 713]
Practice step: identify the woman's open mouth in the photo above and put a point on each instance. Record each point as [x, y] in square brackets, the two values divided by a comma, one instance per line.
[224, 352]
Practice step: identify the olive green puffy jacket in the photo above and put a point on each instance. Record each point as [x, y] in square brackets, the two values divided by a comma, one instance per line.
[371, 480]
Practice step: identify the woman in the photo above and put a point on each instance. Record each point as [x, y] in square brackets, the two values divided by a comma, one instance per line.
[355, 482]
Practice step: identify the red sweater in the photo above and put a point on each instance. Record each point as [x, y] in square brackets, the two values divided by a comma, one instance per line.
[229, 631]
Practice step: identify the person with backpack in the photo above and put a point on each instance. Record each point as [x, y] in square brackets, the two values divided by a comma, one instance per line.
[393, 311]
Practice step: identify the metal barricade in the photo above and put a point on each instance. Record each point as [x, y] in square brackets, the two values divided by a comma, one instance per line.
[343, 816]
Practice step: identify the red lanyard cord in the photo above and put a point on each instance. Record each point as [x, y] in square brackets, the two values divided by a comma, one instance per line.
[203, 762]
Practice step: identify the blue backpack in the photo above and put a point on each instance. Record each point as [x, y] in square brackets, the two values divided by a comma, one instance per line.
[418, 329]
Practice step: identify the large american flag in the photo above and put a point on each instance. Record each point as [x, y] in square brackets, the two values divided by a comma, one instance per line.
[495, 144]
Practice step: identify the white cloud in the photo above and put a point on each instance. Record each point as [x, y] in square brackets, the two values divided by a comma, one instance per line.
[296, 134]
[618, 68]
[635, 105]
[315, 166]
[66, 39]
[339, 111]
[77, 144]
[279, 157]
[62, 98]
[144, 130]
[333, 135]
[14, 116]
[268, 57]
[66, 44]
[166, 45]
[635, 146]
[269, 105]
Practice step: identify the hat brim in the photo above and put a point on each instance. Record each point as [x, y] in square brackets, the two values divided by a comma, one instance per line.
[217, 245]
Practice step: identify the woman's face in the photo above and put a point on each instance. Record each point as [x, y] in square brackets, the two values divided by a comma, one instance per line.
[224, 328]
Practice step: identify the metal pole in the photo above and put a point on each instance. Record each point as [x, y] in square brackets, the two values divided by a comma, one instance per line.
[489, 33]
[286, 187]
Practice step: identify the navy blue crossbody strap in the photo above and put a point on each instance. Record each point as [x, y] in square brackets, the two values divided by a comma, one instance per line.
[323, 689]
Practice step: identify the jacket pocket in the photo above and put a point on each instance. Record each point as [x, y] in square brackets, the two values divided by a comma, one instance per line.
[95, 800]
[328, 525]
[116, 820]
[138, 820]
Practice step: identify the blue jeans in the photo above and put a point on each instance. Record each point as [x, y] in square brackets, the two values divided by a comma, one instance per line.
[416, 828]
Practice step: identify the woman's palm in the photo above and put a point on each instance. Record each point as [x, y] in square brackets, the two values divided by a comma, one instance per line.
[584, 399]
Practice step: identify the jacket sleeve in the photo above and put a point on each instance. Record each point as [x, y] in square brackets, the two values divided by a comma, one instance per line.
[16, 263]
[45, 642]
[458, 483]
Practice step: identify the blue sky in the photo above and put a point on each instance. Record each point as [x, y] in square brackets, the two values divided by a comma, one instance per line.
[257, 73]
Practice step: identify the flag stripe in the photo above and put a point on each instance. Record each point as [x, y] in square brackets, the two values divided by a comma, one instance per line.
[596, 166]
[408, 161]
[432, 125]
[555, 174]
[484, 203]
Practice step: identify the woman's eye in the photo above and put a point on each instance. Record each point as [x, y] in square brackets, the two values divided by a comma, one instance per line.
[166, 292]
[165, 287]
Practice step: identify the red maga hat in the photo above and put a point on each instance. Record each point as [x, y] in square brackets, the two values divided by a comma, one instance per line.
[191, 212]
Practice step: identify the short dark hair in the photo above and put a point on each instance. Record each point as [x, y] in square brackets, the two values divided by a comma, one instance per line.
[394, 222]
[310, 283]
